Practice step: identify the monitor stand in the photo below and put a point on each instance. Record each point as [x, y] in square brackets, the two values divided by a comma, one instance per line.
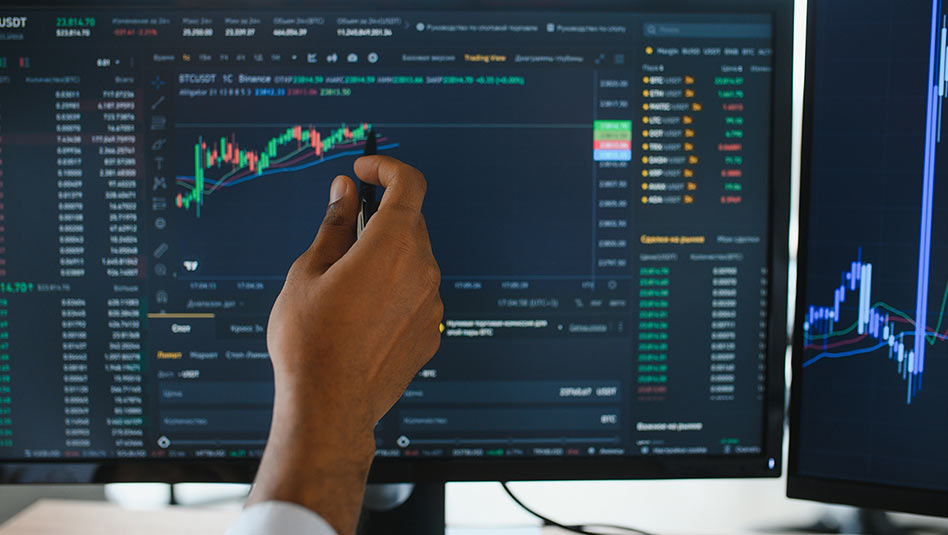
[857, 522]
[875, 522]
[416, 508]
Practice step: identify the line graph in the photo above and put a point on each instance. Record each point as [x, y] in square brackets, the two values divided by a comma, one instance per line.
[293, 149]
[904, 337]
[884, 325]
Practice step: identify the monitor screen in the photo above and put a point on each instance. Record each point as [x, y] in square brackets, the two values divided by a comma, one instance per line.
[599, 203]
[871, 350]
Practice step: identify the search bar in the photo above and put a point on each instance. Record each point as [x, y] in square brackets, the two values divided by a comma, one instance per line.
[710, 29]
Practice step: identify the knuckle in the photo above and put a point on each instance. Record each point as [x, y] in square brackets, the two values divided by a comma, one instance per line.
[432, 274]
[435, 342]
[300, 270]
[421, 182]
[409, 176]
[298, 267]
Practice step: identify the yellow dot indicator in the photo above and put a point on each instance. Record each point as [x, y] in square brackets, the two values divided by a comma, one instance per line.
[644, 174]
[644, 199]
[644, 146]
[645, 93]
[645, 120]
[644, 133]
[441, 327]
[644, 184]
[648, 50]
[645, 79]
[644, 159]
[645, 106]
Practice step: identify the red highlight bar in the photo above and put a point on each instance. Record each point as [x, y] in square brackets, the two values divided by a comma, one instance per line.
[730, 147]
[652, 389]
[612, 144]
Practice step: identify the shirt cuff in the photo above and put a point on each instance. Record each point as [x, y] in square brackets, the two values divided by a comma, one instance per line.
[279, 518]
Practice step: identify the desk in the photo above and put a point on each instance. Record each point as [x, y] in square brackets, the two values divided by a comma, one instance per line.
[75, 517]
[66, 517]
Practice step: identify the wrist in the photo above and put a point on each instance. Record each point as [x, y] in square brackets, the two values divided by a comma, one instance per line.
[321, 434]
[313, 460]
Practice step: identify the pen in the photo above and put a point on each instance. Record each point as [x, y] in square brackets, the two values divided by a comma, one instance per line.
[368, 203]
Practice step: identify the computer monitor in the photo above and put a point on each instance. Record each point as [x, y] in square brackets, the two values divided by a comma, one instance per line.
[607, 200]
[870, 357]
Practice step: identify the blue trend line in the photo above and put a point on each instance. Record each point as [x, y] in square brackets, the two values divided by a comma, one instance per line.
[845, 353]
[286, 169]
[911, 361]
[928, 180]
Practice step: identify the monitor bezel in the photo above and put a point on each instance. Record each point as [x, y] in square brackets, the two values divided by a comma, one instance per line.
[849, 492]
[765, 464]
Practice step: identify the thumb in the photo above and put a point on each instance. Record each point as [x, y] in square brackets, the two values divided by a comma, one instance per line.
[337, 231]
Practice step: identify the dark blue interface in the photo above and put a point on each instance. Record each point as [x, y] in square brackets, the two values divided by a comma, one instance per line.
[598, 202]
[875, 357]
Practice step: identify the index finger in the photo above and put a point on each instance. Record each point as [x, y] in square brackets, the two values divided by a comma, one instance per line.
[404, 185]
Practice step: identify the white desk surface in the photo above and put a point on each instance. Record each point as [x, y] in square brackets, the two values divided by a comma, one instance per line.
[81, 517]
[67, 517]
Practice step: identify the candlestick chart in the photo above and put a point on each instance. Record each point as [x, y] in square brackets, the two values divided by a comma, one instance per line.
[264, 182]
[878, 326]
[855, 319]
[223, 163]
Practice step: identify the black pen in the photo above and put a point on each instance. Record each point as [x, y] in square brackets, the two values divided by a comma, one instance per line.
[368, 202]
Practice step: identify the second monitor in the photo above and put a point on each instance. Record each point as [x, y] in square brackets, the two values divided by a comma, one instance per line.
[607, 201]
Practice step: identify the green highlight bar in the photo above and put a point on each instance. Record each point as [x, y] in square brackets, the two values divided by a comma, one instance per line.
[612, 125]
[612, 130]
[612, 135]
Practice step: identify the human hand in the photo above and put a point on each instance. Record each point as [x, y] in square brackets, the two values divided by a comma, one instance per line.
[354, 323]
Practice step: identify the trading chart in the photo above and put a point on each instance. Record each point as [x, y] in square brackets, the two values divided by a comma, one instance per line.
[875, 332]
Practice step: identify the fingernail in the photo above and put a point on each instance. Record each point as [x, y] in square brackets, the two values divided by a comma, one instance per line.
[337, 190]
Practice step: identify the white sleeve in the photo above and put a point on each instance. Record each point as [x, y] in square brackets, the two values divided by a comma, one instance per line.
[270, 518]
